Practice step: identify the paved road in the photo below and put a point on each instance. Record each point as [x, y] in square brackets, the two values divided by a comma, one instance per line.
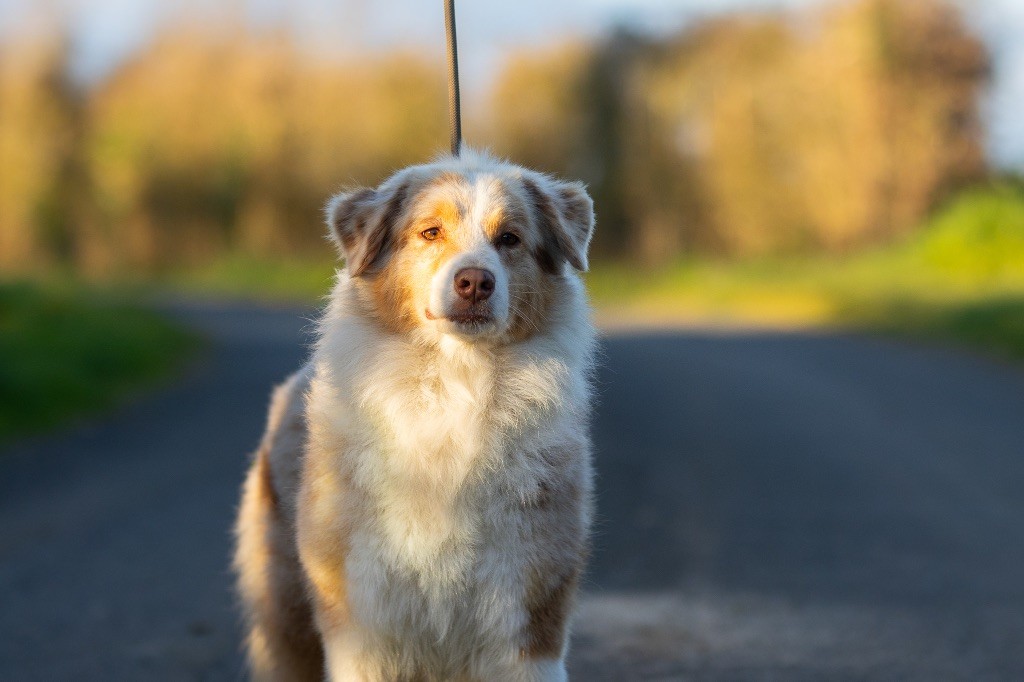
[773, 507]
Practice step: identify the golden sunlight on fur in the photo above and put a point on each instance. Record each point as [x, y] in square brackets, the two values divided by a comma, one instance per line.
[419, 508]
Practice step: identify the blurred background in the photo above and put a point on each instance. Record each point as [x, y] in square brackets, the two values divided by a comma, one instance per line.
[141, 138]
[147, 138]
[196, 142]
[794, 170]
[787, 162]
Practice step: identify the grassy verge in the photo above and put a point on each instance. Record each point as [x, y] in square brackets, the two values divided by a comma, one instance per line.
[994, 325]
[857, 294]
[285, 280]
[959, 279]
[65, 353]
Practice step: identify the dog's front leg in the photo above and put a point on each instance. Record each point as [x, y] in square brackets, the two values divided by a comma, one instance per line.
[547, 616]
[545, 670]
[349, 659]
[522, 669]
[349, 652]
[323, 539]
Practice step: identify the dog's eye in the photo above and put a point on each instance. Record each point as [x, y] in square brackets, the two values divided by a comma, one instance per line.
[431, 234]
[508, 239]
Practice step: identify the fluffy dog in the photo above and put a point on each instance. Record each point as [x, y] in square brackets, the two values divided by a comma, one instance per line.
[419, 507]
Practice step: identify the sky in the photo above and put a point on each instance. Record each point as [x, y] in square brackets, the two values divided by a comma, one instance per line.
[106, 31]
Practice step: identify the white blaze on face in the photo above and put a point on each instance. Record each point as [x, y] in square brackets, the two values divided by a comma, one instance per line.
[475, 250]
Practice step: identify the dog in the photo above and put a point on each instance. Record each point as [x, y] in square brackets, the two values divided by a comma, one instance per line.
[420, 504]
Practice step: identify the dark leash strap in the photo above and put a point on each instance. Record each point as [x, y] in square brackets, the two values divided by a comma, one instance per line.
[454, 104]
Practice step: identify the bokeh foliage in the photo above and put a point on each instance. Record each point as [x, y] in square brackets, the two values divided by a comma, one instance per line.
[206, 143]
[829, 130]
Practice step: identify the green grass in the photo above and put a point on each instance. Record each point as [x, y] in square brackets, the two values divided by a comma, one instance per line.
[285, 280]
[960, 279]
[994, 325]
[65, 353]
[856, 294]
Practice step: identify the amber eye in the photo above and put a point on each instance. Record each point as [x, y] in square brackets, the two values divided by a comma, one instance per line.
[431, 234]
[508, 239]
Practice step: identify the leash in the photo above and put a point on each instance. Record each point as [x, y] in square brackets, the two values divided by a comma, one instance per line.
[454, 105]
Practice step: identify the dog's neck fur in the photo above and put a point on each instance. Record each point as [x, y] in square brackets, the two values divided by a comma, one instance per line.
[451, 377]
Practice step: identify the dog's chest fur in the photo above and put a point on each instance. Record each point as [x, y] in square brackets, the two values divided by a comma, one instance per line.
[443, 454]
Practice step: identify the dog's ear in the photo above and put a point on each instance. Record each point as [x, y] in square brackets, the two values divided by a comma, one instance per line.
[362, 223]
[566, 215]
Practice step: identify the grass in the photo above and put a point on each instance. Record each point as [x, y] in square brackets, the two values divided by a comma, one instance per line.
[864, 294]
[960, 279]
[285, 280]
[65, 353]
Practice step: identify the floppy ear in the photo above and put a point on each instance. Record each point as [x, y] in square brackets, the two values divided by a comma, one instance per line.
[362, 223]
[566, 215]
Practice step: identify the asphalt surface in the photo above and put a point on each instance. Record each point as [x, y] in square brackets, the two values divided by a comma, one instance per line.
[772, 507]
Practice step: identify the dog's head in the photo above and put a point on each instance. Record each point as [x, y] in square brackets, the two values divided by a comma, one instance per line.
[471, 247]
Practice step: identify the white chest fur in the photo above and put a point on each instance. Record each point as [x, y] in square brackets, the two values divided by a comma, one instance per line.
[441, 444]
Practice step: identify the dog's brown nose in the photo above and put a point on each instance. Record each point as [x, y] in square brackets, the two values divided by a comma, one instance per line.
[474, 284]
